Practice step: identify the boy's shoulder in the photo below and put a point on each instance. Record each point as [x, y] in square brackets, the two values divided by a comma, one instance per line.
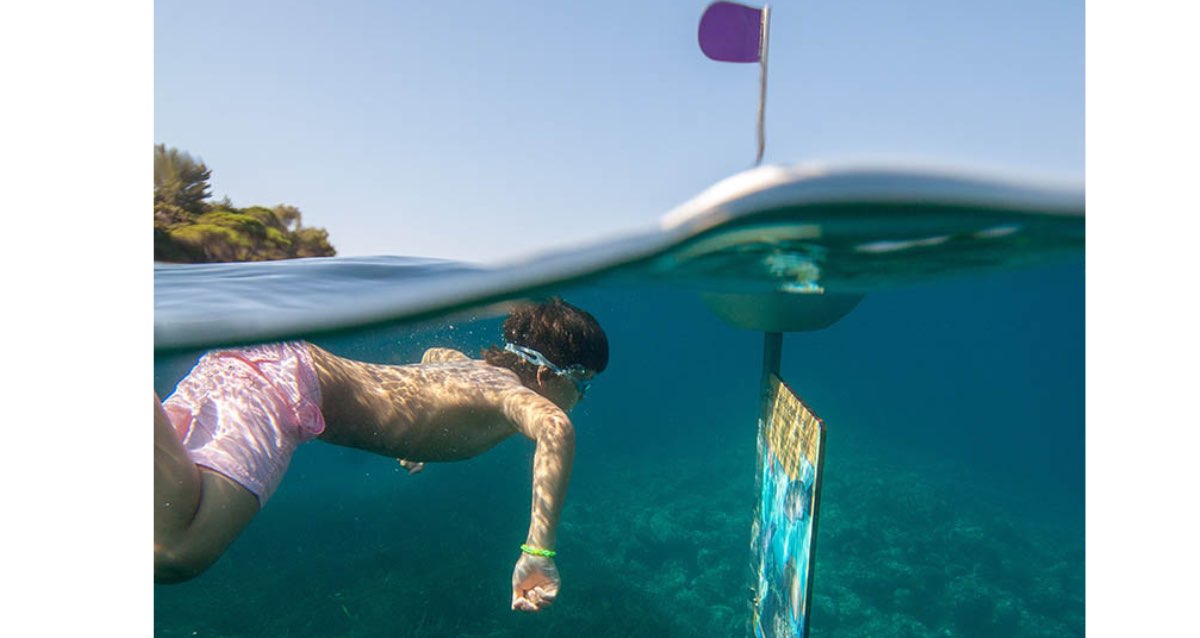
[443, 355]
[454, 362]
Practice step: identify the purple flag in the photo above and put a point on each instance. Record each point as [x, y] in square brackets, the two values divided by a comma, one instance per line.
[731, 32]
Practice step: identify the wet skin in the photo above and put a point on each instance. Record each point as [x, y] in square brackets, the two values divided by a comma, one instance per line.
[447, 408]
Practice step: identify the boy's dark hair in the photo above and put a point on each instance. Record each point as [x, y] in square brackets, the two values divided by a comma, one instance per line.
[564, 334]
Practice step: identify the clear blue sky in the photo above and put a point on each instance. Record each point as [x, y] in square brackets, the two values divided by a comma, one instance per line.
[487, 130]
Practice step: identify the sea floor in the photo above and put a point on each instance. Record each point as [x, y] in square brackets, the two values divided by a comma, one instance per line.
[905, 548]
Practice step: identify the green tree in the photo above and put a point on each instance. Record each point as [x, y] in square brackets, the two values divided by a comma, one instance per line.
[180, 184]
[312, 242]
[187, 228]
[289, 216]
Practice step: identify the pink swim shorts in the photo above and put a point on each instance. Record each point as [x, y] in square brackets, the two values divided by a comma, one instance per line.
[244, 412]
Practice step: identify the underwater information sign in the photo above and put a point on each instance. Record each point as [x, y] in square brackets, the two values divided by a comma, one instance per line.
[791, 449]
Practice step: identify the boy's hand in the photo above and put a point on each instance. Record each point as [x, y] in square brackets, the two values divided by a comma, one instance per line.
[413, 467]
[535, 583]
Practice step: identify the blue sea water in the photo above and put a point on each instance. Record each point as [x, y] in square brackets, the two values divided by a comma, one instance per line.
[953, 499]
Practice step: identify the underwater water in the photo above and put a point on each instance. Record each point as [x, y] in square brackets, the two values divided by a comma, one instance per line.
[953, 498]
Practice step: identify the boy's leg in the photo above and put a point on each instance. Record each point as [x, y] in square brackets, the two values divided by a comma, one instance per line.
[197, 512]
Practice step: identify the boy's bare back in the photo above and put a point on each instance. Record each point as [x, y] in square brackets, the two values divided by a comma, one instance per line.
[449, 407]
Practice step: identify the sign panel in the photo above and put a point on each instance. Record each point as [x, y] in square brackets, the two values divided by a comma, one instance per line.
[791, 447]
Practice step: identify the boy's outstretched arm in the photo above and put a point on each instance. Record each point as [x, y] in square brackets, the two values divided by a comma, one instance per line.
[535, 578]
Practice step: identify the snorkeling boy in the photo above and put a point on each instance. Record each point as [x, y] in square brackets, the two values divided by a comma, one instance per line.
[223, 439]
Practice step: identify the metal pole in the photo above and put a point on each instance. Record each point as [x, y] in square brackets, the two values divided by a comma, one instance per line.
[762, 85]
[772, 355]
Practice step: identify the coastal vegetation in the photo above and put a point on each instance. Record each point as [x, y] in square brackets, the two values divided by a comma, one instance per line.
[191, 228]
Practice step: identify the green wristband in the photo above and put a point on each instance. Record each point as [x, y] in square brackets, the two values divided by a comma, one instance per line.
[538, 551]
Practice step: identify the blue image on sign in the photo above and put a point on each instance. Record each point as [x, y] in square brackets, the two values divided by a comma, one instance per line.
[790, 450]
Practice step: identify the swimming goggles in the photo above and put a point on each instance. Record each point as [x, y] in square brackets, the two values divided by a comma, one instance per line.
[575, 373]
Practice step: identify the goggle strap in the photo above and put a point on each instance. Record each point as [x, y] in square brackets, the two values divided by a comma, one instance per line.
[538, 359]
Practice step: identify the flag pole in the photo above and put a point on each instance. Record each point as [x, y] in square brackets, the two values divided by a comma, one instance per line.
[772, 341]
[762, 83]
